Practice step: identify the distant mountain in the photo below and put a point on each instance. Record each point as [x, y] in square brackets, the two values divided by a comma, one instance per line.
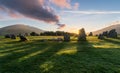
[19, 29]
[115, 26]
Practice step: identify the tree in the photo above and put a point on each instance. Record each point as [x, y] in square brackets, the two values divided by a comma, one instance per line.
[34, 34]
[82, 35]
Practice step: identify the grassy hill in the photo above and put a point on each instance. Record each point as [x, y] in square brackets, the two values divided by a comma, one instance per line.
[116, 26]
[19, 28]
[92, 56]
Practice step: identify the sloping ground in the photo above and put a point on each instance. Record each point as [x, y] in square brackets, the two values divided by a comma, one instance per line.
[92, 56]
[117, 27]
[19, 29]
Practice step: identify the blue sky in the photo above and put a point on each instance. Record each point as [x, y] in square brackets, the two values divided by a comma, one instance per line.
[89, 14]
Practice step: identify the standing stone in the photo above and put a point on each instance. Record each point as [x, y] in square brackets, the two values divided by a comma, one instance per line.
[7, 36]
[82, 35]
[96, 35]
[105, 33]
[112, 34]
[13, 36]
[66, 37]
[23, 38]
[90, 34]
[100, 36]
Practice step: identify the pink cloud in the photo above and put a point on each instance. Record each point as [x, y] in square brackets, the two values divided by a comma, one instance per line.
[11, 13]
[15, 15]
[61, 26]
[41, 2]
[62, 3]
[76, 6]
[34, 9]
[1, 17]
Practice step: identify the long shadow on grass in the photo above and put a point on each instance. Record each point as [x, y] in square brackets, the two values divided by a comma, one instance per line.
[112, 41]
[76, 62]
[46, 57]
[87, 59]
[93, 59]
[12, 45]
[30, 62]
[22, 50]
[11, 55]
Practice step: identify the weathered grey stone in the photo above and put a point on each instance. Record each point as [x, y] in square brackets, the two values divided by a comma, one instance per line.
[23, 38]
[7, 36]
[82, 35]
[105, 33]
[112, 34]
[66, 37]
[13, 36]
[90, 34]
[59, 39]
[100, 36]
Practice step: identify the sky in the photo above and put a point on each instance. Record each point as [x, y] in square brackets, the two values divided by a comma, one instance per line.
[60, 15]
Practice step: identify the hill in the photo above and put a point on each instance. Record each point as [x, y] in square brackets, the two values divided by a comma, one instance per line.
[116, 26]
[19, 29]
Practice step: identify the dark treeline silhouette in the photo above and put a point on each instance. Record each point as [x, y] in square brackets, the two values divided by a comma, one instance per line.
[57, 33]
[34, 34]
[46, 33]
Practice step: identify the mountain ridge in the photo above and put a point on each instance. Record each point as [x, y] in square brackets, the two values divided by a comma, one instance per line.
[108, 28]
[19, 29]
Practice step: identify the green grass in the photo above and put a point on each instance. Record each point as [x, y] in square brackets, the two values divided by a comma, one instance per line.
[92, 56]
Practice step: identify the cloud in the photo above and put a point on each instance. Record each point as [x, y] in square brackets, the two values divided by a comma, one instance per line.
[34, 9]
[76, 6]
[115, 23]
[41, 2]
[93, 12]
[1, 17]
[62, 3]
[61, 26]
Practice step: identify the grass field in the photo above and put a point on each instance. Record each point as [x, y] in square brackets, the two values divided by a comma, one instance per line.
[92, 56]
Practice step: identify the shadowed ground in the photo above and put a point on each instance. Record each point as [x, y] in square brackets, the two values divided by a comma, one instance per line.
[92, 56]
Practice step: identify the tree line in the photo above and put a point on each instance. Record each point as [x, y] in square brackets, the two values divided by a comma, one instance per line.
[52, 33]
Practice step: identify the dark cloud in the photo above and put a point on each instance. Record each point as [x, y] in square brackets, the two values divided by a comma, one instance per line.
[61, 26]
[30, 8]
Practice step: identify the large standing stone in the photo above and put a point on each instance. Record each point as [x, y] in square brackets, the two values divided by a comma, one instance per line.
[105, 33]
[7, 36]
[82, 35]
[23, 38]
[13, 36]
[100, 36]
[90, 34]
[112, 34]
[66, 37]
